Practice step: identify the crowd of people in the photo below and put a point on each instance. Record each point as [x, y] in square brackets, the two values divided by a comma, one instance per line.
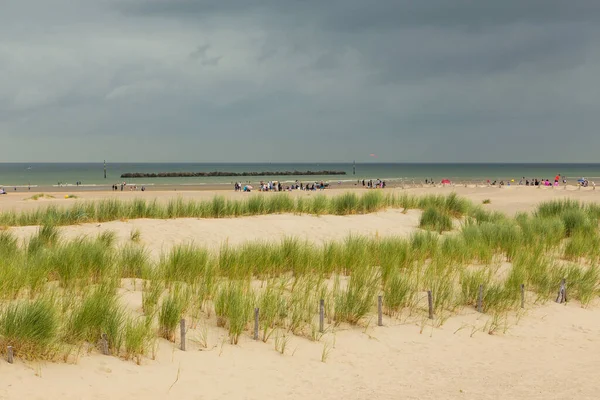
[124, 185]
[276, 186]
[378, 184]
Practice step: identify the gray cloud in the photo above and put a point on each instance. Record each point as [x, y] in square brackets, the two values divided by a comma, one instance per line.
[280, 80]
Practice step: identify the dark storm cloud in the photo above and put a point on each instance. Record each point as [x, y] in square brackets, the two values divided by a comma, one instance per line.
[358, 14]
[301, 79]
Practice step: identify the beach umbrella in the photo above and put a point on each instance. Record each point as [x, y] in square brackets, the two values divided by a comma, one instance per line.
[446, 181]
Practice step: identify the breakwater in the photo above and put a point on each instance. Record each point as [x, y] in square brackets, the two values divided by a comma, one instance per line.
[220, 173]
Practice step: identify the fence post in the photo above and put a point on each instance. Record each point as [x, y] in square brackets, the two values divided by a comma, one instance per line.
[182, 330]
[9, 354]
[321, 315]
[562, 292]
[256, 311]
[522, 295]
[379, 311]
[104, 344]
[480, 299]
[430, 301]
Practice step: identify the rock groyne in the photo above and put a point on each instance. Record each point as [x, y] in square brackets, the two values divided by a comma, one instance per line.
[220, 173]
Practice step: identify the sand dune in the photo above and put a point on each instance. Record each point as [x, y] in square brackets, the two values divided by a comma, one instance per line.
[212, 233]
[550, 352]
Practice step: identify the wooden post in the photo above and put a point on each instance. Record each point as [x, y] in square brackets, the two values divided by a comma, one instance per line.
[379, 311]
[256, 311]
[562, 292]
[430, 301]
[104, 344]
[480, 299]
[522, 295]
[321, 315]
[182, 331]
[9, 354]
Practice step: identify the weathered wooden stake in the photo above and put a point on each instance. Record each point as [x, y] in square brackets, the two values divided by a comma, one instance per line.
[480, 299]
[379, 310]
[321, 315]
[104, 344]
[9, 354]
[430, 301]
[256, 311]
[182, 331]
[562, 292]
[522, 295]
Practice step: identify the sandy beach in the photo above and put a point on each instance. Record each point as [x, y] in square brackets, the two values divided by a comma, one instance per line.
[549, 351]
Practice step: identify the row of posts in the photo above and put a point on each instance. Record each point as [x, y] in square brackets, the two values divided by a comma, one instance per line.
[561, 298]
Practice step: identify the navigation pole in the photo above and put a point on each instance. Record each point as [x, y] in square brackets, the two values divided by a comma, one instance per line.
[104, 169]
[354, 167]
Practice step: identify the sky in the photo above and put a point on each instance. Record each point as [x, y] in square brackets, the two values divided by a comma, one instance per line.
[299, 80]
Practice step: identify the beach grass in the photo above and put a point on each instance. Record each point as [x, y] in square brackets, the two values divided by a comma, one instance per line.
[58, 295]
[220, 207]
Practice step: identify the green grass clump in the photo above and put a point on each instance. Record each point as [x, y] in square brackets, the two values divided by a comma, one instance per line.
[40, 196]
[133, 261]
[352, 304]
[435, 220]
[171, 311]
[271, 303]
[99, 312]
[184, 263]
[233, 307]
[138, 337]
[31, 328]
[398, 293]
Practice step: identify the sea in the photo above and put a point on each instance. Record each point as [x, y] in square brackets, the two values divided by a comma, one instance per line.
[91, 175]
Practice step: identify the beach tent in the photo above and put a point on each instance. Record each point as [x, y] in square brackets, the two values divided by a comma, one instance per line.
[445, 181]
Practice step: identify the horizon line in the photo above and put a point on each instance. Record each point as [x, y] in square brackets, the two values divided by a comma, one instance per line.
[304, 162]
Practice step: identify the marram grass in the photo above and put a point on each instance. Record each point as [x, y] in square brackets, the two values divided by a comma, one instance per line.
[285, 279]
[221, 207]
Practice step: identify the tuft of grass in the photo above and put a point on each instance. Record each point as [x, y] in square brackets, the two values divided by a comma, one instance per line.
[487, 201]
[435, 220]
[353, 304]
[171, 311]
[40, 196]
[233, 306]
[98, 313]
[31, 327]
[398, 292]
[135, 235]
[138, 338]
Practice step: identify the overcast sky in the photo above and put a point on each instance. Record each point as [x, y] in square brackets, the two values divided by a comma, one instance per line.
[300, 80]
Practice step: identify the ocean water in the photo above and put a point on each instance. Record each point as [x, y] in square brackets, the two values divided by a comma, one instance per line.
[92, 174]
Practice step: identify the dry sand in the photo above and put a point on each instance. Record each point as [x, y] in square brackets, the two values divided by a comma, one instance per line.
[550, 353]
